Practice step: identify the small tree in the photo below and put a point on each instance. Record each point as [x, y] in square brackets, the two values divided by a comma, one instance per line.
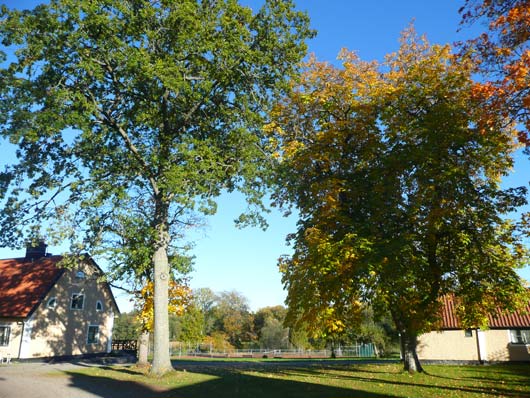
[178, 299]
[192, 325]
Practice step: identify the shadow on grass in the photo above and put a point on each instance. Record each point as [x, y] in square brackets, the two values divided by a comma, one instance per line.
[512, 374]
[224, 383]
[270, 381]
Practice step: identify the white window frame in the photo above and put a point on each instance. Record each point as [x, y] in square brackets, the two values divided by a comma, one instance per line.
[8, 328]
[520, 336]
[50, 301]
[99, 304]
[72, 301]
[96, 335]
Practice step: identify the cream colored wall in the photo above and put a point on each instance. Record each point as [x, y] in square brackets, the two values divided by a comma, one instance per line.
[14, 337]
[63, 331]
[448, 345]
[500, 348]
[453, 345]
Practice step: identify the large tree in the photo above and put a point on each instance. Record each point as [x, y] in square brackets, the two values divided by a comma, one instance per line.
[397, 182]
[130, 115]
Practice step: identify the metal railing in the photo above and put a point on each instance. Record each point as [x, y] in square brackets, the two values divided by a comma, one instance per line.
[124, 345]
[204, 350]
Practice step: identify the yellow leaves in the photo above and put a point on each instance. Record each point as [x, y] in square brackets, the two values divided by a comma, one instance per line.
[334, 326]
[178, 299]
[291, 148]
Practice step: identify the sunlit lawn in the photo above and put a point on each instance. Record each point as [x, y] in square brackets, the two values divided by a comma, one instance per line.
[317, 380]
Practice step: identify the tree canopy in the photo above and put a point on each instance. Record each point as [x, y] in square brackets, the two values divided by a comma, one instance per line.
[396, 175]
[131, 116]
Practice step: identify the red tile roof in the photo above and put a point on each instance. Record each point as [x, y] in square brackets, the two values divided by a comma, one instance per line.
[496, 320]
[24, 284]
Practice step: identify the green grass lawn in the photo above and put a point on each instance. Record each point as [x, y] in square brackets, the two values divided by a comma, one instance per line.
[256, 380]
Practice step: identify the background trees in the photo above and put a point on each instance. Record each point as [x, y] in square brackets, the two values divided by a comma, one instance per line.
[395, 171]
[265, 328]
[233, 318]
[131, 116]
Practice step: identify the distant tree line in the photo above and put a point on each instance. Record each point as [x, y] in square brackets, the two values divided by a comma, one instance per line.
[224, 321]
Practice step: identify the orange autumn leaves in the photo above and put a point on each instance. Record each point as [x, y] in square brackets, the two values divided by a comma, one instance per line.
[503, 55]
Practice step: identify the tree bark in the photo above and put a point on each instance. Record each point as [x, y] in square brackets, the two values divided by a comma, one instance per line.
[409, 343]
[161, 359]
[143, 349]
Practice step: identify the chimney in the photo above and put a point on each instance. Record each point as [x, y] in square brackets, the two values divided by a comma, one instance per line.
[38, 251]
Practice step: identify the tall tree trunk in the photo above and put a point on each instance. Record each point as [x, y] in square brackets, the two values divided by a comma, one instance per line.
[409, 343]
[161, 359]
[143, 348]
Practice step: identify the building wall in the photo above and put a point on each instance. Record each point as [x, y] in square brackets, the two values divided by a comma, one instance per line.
[63, 331]
[14, 338]
[448, 345]
[453, 345]
[500, 348]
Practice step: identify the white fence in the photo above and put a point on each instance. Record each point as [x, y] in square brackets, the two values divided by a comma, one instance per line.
[203, 350]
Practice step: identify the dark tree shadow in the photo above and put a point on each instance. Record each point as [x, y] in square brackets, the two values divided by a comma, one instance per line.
[273, 381]
[227, 383]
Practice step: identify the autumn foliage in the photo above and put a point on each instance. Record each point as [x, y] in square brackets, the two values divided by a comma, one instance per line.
[179, 298]
[503, 55]
[394, 169]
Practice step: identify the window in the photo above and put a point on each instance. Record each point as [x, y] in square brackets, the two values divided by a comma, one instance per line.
[93, 335]
[5, 331]
[77, 301]
[80, 275]
[52, 303]
[518, 336]
[99, 306]
[469, 333]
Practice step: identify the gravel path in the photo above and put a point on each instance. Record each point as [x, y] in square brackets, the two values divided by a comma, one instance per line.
[52, 380]
[58, 380]
[40, 380]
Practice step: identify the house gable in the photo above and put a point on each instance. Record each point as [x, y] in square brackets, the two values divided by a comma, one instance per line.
[36, 303]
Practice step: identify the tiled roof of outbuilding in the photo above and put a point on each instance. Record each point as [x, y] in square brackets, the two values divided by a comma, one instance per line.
[25, 282]
[496, 320]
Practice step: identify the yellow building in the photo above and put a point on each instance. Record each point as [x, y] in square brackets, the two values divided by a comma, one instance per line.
[49, 311]
[506, 339]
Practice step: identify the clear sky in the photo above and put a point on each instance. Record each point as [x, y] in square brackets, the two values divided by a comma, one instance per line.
[245, 260]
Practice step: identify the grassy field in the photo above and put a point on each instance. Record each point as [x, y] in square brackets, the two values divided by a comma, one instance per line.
[267, 379]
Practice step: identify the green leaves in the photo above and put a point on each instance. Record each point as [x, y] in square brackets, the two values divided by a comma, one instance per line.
[132, 116]
[164, 99]
[397, 188]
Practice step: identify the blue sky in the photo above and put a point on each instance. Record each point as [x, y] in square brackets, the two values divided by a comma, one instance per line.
[245, 260]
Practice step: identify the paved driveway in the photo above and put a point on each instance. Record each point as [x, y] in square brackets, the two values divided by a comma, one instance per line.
[54, 380]
[40, 380]
[45, 380]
